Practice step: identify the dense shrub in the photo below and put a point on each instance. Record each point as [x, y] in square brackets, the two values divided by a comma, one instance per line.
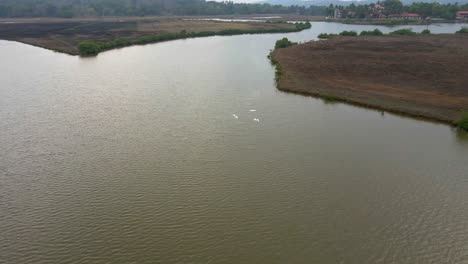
[283, 43]
[375, 32]
[404, 31]
[329, 99]
[463, 123]
[302, 26]
[343, 33]
[348, 33]
[326, 36]
[463, 31]
[278, 70]
[89, 48]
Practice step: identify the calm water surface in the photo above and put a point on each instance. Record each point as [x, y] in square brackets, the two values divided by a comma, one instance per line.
[135, 157]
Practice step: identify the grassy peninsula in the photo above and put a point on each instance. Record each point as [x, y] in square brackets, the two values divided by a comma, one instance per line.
[92, 48]
[421, 75]
[90, 36]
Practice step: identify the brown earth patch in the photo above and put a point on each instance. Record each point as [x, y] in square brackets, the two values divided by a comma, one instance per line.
[424, 76]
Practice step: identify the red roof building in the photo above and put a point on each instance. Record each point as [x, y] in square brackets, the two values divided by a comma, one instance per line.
[462, 15]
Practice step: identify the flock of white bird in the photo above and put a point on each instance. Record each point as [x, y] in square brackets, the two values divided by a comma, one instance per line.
[252, 110]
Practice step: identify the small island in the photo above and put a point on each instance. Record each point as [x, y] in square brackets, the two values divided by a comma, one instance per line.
[421, 75]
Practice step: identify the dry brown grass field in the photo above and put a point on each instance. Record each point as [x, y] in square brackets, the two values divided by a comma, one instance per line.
[422, 76]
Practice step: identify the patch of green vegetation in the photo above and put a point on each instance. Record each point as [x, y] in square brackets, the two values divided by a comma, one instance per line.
[280, 44]
[92, 48]
[303, 25]
[278, 70]
[284, 43]
[403, 32]
[331, 35]
[326, 36]
[329, 99]
[89, 48]
[375, 32]
[464, 30]
[463, 123]
[348, 33]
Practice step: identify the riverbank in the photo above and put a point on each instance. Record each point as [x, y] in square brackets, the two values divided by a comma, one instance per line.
[423, 76]
[66, 35]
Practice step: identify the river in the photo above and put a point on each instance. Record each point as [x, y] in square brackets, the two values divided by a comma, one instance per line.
[135, 156]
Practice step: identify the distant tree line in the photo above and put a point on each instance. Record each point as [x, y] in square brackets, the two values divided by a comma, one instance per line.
[434, 9]
[377, 32]
[93, 8]
[447, 11]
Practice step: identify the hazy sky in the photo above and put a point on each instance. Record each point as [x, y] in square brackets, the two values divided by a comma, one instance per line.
[241, 1]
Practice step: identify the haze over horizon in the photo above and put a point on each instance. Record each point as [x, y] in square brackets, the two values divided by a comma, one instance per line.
[259, 1]
[240, 1]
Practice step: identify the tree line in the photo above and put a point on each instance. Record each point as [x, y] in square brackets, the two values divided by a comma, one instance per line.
[98, 8]
[434, 9]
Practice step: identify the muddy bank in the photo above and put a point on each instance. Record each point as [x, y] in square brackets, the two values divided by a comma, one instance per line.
[424, 76]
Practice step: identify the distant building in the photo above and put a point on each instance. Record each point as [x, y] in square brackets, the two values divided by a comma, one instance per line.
[375, 12]
[379, 7]
[407, 16]
[462, 15]
[337, 13]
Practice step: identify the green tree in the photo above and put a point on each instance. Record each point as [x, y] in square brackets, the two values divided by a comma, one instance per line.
[393, 6]
[89, 48]
[283, 43]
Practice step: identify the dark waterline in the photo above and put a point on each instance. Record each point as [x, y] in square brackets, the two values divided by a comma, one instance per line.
[135, 157]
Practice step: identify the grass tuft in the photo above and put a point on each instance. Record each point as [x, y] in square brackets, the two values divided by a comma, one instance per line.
[329, 99]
